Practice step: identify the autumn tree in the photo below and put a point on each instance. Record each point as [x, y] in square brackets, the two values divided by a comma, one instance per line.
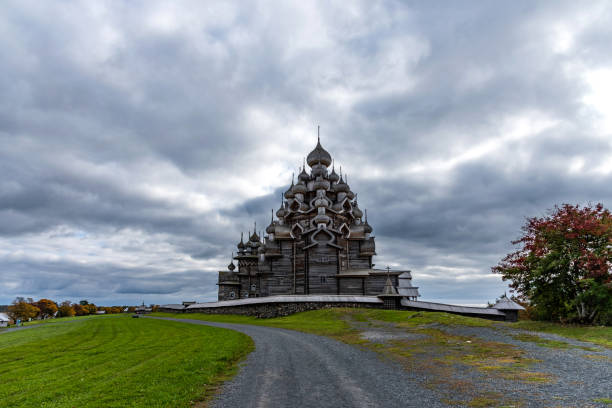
[79, 310]
[47, 308]
[22, 310]
[563, 266]
[91, 308]
[65, 309]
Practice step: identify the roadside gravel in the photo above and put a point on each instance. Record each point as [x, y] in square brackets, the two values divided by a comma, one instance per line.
[580, 374]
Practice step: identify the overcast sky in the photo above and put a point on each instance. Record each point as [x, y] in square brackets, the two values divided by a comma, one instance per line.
[138, 139]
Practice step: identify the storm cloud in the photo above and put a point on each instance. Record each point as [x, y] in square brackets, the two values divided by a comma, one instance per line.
[139, 139]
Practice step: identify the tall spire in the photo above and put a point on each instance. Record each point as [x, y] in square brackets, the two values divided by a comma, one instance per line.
[366, 213]
[272, 217]
[319, 133]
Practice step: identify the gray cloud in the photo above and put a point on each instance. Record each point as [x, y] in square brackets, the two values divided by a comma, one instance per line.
[137, 140]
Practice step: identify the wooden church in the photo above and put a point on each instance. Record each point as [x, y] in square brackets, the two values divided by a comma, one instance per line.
[319, 243]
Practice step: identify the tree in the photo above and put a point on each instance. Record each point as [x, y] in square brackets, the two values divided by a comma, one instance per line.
[65, 309]
[83, 302]
[563, 267]
[79, 310]
[47, 308]
[22, 310]
[91, 308]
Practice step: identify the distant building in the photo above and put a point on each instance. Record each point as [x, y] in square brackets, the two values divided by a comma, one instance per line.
[142, 309]
[4, 320]
[319, 243]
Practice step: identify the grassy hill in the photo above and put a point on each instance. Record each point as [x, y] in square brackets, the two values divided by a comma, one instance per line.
[116, 361]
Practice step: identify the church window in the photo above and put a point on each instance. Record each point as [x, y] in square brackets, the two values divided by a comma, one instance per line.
[232, 294]
[323, 279]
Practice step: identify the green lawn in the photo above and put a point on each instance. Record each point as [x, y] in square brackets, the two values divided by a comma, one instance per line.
[333, 322]
[595, 334]
[325, 322]
[59, 320]
[116, 361]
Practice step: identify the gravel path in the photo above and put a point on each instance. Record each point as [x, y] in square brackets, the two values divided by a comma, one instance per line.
[294, 369]
[581, 374]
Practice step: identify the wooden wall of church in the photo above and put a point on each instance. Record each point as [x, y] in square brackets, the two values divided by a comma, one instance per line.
[356, 261]
[322, 266]
[351, 286]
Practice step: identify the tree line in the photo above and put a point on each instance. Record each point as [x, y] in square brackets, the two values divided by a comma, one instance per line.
[25, 309]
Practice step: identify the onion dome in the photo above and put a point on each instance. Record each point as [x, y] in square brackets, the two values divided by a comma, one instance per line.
[333, 177]
[350, 194]
[319, 155]
[289, 192]
[321, 184]
[321, 202]
[341, 186]
[299, 188]
[357, 213]
[254, 238]
[281, 212]
[319, 170]
[231, 266]
[270, 228]
[366, 227]
[241, 243]
[321, 219]
[303, 176]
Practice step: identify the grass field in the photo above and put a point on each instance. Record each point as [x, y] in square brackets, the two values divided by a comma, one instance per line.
[116, 361]
[595, 334]
[332, 322]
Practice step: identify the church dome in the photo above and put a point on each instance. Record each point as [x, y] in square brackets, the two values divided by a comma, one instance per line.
[231, 266]
[357, 213]
[299, 188]
[319, 155]
[333, 177]
[366, 227]
[321, 219]
[270, 229]
[321, 202]
[341, 187]
[303, 176]
[289, 192]
[350, 194]
[321, 184]
[281, 212]
[254, 238]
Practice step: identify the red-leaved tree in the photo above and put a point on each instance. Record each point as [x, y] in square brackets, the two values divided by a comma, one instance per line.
[564, 265]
